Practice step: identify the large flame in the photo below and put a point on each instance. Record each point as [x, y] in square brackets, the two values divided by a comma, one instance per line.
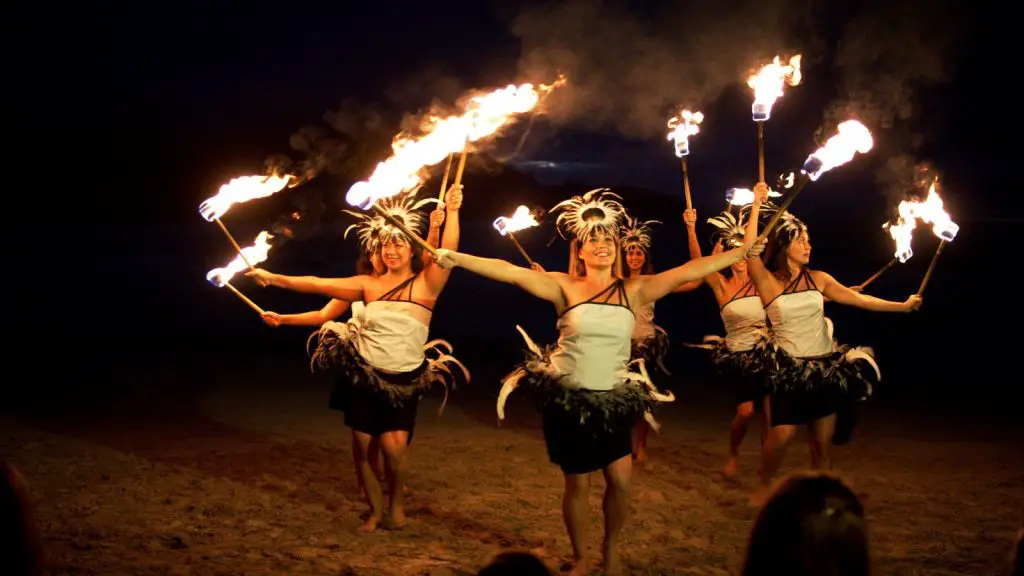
[254, 254]
[242, 189]
[852, 137]
[483, 117]
[520, 220]
[768, 82]
[929, 211]
[681, 127]
[902, 232]
[744, 196]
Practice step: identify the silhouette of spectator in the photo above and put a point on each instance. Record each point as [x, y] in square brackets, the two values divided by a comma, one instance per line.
[516, 564]
[20, 548]
[812, 524]
[1018, 555]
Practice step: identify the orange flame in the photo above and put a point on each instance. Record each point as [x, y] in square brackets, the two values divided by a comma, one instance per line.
[768, 82]
[683, 126]
[484, 116]
[902, 232]
[852, 137]
[744, 196]
[242, 189]
[520, 220]
[254, 254]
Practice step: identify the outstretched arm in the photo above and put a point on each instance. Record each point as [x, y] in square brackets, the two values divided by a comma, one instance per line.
[654, 287]
[347, 289]
[332, 310]
[436, 276]
[836, 292]
[768, 287]
[543, 285]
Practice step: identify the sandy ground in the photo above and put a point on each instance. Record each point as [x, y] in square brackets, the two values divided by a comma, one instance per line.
[258, 480]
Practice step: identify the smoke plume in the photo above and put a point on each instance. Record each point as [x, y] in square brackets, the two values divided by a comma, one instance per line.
[629, 71]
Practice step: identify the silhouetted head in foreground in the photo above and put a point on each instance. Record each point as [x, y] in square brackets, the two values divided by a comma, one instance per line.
[516, 564]
[20, 546]
[1018, 555]
[812, 524]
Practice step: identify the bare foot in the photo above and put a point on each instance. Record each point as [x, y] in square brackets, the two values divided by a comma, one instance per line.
[396, 521]
[760, 496]
[640, 458]
[612, 563]
[371, 524]
[578, 567]
[732, 465]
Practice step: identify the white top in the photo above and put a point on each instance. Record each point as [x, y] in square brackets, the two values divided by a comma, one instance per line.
[643, 328]
[358, 310]
[744, 320]
[594, 344]
[393, 334]
[798, 323]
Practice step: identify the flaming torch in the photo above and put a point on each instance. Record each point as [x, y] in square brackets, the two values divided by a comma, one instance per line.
[681, 127]
[520, 220]
[254, 254]
[744, 196]
[238, 190]
[902, 232]
[930, 211]
[767, 85]
[852, 137]
[484, 116]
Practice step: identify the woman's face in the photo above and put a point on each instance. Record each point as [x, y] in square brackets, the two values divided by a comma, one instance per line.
[598, 251]
[799, 250]
[396, 254]
[739, 267]
[635, 258]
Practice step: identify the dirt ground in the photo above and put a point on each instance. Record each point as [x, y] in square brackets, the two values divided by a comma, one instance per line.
[258, 480]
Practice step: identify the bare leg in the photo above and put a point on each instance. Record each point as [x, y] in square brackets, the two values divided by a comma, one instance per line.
[772, 454]
[357, 456]
[371, 487]
[737, 430]
[823, 429]
[574, 513]
[640, 441]
[617, 478]
[394, 445]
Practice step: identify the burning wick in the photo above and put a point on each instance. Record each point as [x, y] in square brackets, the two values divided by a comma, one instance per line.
[520, 220]
[237, 191]
[745, 196]
[253, 254]
[767, 85]
[681, 127]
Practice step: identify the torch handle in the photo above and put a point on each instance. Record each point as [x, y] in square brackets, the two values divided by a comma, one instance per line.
[520, 246]
[879, 273]
[782, 208]
[245, 299]
[405, 230]
[459, 170]
[686, 184]
[444, 180]
[233, 243]
[931, 267]
[760, 152]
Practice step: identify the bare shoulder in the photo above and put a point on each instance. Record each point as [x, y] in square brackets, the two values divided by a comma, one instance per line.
[821, 277]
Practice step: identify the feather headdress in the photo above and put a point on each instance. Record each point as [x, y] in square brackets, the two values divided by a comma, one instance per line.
[582, 216]
[636, 234]
[731, 229]
[374, 229]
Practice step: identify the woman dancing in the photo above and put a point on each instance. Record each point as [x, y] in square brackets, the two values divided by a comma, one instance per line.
[810, 378]
[588, 397]
[650, 341]
[737, 358]
[383, 356]
[369, 264]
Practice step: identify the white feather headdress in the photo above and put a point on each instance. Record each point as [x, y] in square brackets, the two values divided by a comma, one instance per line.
[731, 229]
[636, 234]
[595, 211]
[375, 229]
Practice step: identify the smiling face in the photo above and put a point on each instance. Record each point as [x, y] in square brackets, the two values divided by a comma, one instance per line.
[635, 259]
[598, 251]
[396, 254]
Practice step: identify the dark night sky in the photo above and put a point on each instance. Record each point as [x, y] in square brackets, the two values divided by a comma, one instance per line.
[168, 100]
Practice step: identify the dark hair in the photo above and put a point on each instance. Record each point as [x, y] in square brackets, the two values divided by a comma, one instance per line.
[20, 545]
[812, 524]
[775, 252]
[647, 268]
[515, 564]
[415, 258]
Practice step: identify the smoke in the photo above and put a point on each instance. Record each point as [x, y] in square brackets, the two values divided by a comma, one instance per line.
[888, 55]
[630, 72]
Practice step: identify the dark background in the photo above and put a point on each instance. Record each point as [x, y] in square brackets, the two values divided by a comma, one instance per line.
[150, 108]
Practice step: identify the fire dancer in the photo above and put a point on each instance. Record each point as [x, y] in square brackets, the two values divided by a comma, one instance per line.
[739, 358]
[384, 355]
[588, 397]
[812, 378]
[650, 341]
[369, 264]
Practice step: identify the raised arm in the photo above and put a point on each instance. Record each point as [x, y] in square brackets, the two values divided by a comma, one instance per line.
[714, 280]
[768, 287]
[836, 292]
[332, 310]
[543, 285]
[652, 288]
[434, 275]
[347, 289]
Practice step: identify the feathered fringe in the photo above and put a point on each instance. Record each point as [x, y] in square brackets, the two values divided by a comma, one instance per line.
[850, 369]
[336, 350]
[547, 384]
[652, 350]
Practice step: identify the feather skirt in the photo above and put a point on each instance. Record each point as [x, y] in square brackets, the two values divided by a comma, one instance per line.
[653, 349]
